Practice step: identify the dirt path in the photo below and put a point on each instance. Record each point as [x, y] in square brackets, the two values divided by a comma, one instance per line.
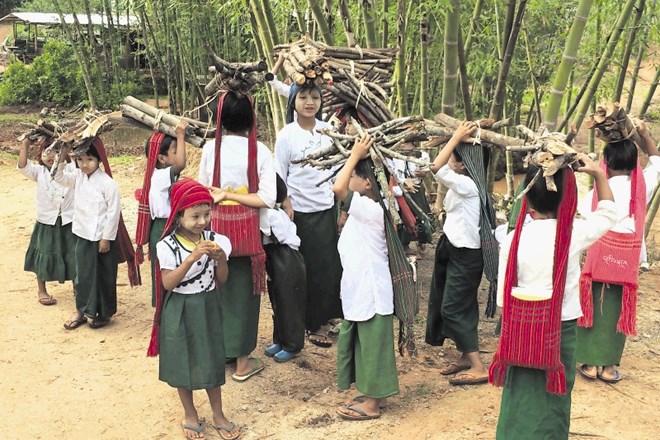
[56, 384]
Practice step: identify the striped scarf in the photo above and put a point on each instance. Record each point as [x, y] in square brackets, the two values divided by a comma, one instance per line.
[531, 330]
[473, 159]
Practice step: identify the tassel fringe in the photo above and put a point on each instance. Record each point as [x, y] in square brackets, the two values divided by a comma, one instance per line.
[497, 373]
[259, 285]
[628, 318]
[555, 382]
[154, 342]
[586, 301]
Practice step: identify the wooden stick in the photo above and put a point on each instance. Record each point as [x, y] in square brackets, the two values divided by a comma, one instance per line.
[488, 136]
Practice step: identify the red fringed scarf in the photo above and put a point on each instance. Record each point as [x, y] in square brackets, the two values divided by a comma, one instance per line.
[531, 330]
[144, 212]
[126, 253]
[614, 259]
[184, 194]
[241, 223]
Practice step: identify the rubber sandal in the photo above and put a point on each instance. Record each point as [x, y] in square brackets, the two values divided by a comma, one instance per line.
[197, 429]
[258, 368]
[323, 343]
[99, 322]
[586, 375]
[467, 379]
[273, 350]
[47, 301]
[73, 324]
[453, 368]
[228, 428]
[362, 415]
[617, 377]
[360, 399]
[285, 356]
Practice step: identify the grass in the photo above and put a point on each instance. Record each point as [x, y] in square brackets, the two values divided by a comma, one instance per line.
[14, 117]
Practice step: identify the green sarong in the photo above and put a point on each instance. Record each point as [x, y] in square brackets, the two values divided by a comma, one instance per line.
[192, 354]
[453, 308]
[527, 411]
[51, 253]
[239, 307]
[318, 245]
[601, 344]
[96, 279]
[365, 356]
[157, 227]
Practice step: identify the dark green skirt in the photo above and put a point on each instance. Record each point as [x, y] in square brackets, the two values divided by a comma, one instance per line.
[192, 354]
[365, 356]
[318, 245]
[453, 308]
[527, 410]
[601, 344]
[157, 227]
[51, 253]
[422, 235]
[96, 279]
[239, 307]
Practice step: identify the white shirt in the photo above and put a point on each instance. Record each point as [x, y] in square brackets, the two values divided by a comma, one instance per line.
[159, 193]
[280, 87]
[53, 199]
[201, 276]
[536, 254]
[463, 209]
[233, 171]
[366, 282]
[283, 229]
[620, 186]
[97, 205]
[406, 170]
[295, 143]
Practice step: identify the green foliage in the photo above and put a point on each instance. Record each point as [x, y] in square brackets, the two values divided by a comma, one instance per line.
[58, 75]
[18, 86]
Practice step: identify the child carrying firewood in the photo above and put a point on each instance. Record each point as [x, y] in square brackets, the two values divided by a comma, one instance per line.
[365, 349]
[166, 159]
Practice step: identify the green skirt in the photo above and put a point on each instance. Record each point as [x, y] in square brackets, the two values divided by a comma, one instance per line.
[601, 344]
[51, 253]
[365, 356]
[239, 307]
[527, 410]
[157, 227]
[318, 245]
[192, 352]
[453, 308]
[96, 279]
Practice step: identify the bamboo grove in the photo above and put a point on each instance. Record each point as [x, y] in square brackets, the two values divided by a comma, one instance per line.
[536, 61]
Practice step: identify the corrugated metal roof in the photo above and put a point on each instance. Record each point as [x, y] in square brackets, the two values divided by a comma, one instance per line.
[52, 19]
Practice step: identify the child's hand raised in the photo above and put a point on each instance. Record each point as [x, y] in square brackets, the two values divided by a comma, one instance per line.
[362, 146]
[588, 166]
[464, 131]
[180, 129]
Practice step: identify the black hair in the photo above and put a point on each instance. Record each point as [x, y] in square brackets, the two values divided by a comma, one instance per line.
[91, 151]
[364, 169]
[621, 156]
[281, 189]
[539, 197]
[237, 113]
[164, 146]
[486, 151]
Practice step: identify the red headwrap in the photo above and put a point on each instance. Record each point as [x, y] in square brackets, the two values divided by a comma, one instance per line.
[184, 194]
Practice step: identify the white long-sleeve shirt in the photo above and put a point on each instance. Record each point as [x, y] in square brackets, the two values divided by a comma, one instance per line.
[536, 255]
[97, 204]
[53, 199]
[463, 207]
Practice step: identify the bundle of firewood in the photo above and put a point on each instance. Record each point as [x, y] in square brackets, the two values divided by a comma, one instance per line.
[238, 77]
[612, 124]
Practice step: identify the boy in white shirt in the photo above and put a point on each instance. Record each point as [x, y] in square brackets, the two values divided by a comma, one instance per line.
[365, 348]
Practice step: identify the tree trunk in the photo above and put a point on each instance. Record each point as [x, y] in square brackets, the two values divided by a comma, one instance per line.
[385, 24]
[450, 77]
[625, 57]
[321, 22]
[369, 22]
[649, 95]
[345, 16]
[567, 62]
[465, 81]
[424, 65]
[474, 23]
[640, 56]
[402, 95]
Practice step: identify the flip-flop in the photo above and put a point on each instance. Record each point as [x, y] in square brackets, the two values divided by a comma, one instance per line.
[323, 343]
[467, 379]
[258, 368]
[617, 377]
[360, 399]
[453, 368]
[73, 324]
[47, 301]
[362, 415]
[586, 375]
[228, 428]
[197, 429]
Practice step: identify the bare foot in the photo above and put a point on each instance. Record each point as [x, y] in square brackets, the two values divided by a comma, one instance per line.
[193, 428]
[226, 429]
[455, 367]
[365, 410]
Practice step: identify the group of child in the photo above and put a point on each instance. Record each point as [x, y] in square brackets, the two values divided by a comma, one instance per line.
[252, 212]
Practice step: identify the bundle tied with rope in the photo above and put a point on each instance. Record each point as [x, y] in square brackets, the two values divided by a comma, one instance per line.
[612, 124]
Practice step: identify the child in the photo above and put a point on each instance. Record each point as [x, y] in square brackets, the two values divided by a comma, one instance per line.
[608, 287]
[312, 208]
[188, 327]
[466, 249]
[51, 252]
[287, 285]
[538, 273]
[97, 212]
[166, 160]
[365, 349]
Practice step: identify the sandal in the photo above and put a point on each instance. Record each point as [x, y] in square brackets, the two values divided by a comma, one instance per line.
[256, 369]
[228, 428]
[47, 301]
[99, 322]
[360, 399]
[196, 429]
[73, 324]
[467, 379]
[361, 414]
[583, 372]
[319, 340]
[453, 368]
[611, 380]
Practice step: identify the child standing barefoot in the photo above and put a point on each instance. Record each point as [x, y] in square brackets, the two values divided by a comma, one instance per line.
[51, 252]
[187, 326]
